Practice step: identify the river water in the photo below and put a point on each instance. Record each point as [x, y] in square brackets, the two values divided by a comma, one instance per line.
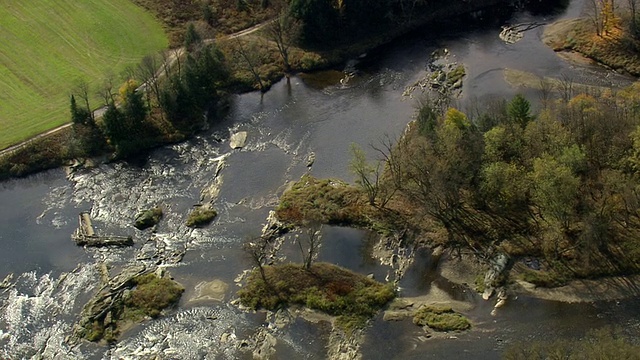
[314, 114]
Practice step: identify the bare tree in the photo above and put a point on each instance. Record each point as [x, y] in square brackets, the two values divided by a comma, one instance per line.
[633, 23]
[545, 92]
[166, 63]
[566, 87]
[594, 9]
[407, 7]
[257, 249]
[82, 89]
[367, 175]
[249, 55]
[129, 72]
[107, 91]
[148, 73]
[309, 243]
[282, 31]
[391, 157]
[176, 54]
[602, 14]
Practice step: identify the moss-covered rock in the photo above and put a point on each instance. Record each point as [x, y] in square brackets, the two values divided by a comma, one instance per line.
[148, 218]
[150, 296]
[201, 216]
[441, 318]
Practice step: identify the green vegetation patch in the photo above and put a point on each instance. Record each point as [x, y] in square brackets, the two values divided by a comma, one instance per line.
[455, 75]
[148, 218]
[45, 153]
[200, 217]
[151, 295]
[544, 278]
[48, 45]
[326, 201]
[325, 287]
[441, 319]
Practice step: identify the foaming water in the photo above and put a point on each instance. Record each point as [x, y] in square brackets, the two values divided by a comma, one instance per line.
[36, 313]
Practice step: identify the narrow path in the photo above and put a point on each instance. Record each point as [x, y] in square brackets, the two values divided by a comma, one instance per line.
[171, 59]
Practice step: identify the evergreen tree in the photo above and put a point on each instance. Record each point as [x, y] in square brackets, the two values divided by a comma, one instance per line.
[519, 110]
[191, 38]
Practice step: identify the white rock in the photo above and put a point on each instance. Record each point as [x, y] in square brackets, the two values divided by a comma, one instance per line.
[238, 140]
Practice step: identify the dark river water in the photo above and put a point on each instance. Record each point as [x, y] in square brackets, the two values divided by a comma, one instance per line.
[314, 114]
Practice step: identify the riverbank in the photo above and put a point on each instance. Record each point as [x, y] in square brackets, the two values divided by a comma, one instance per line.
[615, 50]
[465, 270]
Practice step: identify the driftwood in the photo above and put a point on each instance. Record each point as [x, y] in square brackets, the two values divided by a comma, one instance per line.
[86, 236]
[514, 33]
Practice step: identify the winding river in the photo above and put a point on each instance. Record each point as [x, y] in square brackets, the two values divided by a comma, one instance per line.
[319, 114]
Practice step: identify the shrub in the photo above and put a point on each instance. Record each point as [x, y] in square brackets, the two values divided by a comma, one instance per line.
[543, 278]
[148, 218]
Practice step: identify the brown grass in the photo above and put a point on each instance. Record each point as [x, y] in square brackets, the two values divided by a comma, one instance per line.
[614, 49]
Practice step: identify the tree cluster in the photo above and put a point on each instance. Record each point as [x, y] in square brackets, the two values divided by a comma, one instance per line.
[161, 99]
[193, 84]
[562, 185]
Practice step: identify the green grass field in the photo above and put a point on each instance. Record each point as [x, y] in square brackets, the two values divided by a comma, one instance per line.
[46, 46]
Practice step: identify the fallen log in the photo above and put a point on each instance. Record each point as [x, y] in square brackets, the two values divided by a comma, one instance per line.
[85, 235]
[108, 240]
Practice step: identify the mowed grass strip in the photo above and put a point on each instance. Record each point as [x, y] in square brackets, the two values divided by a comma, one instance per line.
[47, 45]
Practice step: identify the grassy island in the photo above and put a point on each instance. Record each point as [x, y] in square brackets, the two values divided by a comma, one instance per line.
[616, 48]
[201, 216]
[325, 287]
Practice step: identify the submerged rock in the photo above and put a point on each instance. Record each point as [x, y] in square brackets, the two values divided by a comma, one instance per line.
[211, 290]
[201, 216]
[311, 159]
